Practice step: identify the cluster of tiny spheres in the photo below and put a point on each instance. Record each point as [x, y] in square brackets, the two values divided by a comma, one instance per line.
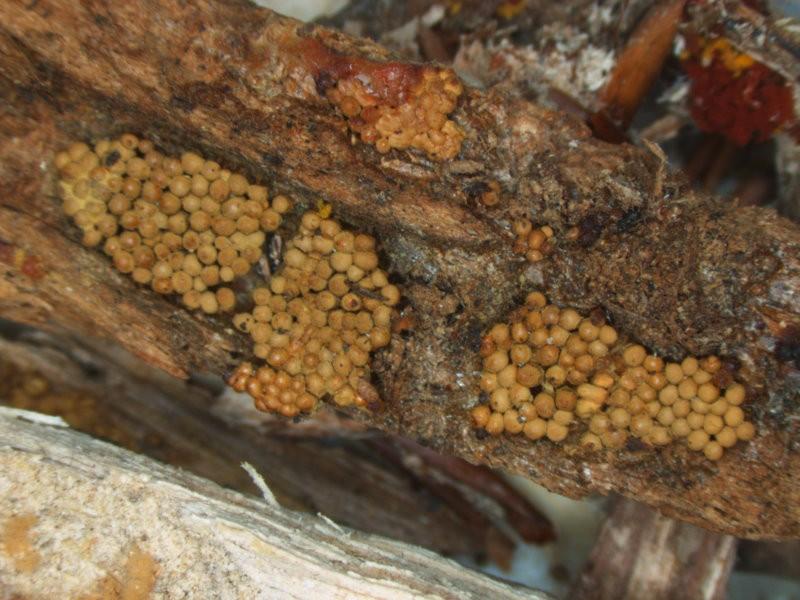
[180, 225]
[318, 322]
[533, 242]
[547, 368]
[420, 122]
[185, 226]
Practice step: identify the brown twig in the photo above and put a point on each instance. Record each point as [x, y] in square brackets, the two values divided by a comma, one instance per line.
[636, 69]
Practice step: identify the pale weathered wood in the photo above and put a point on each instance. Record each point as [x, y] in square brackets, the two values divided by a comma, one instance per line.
[92, 505]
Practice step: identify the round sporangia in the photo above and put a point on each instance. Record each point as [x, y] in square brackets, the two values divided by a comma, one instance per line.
[417, 119]
[181, 225]
[317, 321]
[549, 369]
[532, 242]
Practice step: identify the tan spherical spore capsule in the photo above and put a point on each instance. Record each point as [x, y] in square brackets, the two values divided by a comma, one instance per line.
[735, 394]
[556, 432]
[480, 415]
[697, 440]
[226, 299]
[495, 424]
[535, 429]
[591, 441]
[726, 438]
[745, 431]
[713, 451]
[511, 422]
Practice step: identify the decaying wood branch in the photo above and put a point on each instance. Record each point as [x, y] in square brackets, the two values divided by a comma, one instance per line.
[309, 466]
[675, 271]
[61, 534]
[641, 554]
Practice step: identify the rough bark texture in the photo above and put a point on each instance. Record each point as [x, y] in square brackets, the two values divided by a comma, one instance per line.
[642, 554]
[677, 272]
[363, 479]
[182, 536]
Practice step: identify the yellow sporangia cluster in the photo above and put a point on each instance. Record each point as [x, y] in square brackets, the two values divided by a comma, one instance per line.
[180, 225]
[420, 121]
[547, 368]
[533, 242]
[318, 321]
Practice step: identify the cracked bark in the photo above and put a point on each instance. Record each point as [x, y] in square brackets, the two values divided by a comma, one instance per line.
[678, 272]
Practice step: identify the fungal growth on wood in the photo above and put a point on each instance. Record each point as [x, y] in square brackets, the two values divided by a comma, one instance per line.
[318, 321]
[420, 122]
[678, 271]
[182, 226]
[391, 105]
[532, 242]
[547, 365]
[188, 225]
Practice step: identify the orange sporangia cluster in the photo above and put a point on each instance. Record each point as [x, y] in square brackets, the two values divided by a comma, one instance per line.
[547, 368]
[533, 242]
[733, 94]
[419, 120]
[182, 226]
[317, 323]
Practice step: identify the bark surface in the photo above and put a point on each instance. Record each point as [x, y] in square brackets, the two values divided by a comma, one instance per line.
[641, 554]
[678, 272]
